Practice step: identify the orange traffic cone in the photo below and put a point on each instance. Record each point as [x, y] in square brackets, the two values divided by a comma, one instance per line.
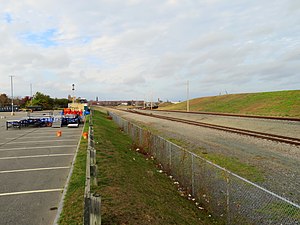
[58, 133]
[85, 135]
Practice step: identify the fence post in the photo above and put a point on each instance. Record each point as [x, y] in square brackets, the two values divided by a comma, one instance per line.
[94, 174]
[170, 155]
[193, 177]
[86, 213]
[95, 213]
[227, 198]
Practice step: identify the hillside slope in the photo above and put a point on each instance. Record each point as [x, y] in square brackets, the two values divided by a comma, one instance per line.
[280, 103]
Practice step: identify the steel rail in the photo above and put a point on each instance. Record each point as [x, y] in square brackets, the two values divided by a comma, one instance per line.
[235, 115]
[257, 134]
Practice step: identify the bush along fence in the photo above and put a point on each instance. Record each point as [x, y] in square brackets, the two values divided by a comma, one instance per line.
[224, 194]
[92, 202]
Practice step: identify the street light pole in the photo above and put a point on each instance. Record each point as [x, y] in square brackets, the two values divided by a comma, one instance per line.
[187, 96]
[73, 90]
[31, 96]
[151, 101]
[12, 95]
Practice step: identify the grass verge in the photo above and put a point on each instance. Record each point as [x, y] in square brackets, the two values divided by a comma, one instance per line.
[234, 165]
[72, 213]
[133, 189]
[278, 103]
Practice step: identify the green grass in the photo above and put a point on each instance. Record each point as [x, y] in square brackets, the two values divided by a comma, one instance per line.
[279, 103]
[179, 142]
[234, 165]
[279, 209]
[131, 188]
[72, 213]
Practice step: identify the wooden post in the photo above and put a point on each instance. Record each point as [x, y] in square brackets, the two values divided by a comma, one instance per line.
[95, 214]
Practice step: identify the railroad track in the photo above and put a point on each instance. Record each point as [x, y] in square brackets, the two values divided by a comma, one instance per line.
[235, 115]
[256, 134]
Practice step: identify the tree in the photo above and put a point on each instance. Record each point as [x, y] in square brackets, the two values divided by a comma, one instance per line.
[60, 103]
[4, 100]
[43, 100]
[25, 101]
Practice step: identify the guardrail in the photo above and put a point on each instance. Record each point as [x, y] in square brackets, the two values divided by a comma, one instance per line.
[222, 193]
[92, 202]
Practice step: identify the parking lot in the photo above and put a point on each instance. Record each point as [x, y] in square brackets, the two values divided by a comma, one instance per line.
[34, 166]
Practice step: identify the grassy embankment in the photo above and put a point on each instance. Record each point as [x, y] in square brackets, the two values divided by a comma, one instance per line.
[279, 103]
[132, 188]
[72, 212]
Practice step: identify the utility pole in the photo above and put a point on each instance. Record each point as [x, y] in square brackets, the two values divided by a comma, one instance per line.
[30, 90]
[12, 95]
[151, 101]
[187, 97]
[31, 96]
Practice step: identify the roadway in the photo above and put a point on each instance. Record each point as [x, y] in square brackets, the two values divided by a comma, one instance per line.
[34, 166]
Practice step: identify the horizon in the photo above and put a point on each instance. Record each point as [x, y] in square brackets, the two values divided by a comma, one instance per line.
[154, 100]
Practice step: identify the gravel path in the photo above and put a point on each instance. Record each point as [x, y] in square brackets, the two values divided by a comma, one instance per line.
[279, 163]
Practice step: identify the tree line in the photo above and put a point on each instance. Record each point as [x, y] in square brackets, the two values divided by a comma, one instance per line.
[39, 99]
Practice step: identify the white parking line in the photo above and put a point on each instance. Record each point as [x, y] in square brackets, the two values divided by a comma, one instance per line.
[24, 142]
[30, 192]
[39, 137]
[36, 169]
[54, 132]
[29, 148]
[35, 156]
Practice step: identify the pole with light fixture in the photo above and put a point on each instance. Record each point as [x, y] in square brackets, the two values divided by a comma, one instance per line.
[187, 97]
[73, 91]
[12, 95]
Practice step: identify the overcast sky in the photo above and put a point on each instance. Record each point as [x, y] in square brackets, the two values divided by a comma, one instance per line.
[118, 49]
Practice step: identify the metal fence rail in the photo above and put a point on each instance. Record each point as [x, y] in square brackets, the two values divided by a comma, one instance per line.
[92, 202]
[224, 194]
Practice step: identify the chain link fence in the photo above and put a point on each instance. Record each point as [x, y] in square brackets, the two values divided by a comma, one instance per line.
[224, 194]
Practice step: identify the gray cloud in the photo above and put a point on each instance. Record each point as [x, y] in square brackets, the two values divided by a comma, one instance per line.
[121, 49]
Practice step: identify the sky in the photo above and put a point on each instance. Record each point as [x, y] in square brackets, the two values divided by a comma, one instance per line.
[149, 49]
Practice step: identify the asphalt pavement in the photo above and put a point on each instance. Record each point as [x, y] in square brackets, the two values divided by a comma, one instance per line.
[34, 166]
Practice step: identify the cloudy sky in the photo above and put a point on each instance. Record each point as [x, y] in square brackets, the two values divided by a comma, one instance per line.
[134, 49]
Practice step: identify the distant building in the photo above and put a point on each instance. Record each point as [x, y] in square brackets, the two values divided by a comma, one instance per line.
[8, 108]
[35, 108]
[116, 103]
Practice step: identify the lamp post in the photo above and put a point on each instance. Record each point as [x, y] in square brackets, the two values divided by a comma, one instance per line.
[187, 97]
[151, 103]
[12, 95]
[31, 96]
[73, 90]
